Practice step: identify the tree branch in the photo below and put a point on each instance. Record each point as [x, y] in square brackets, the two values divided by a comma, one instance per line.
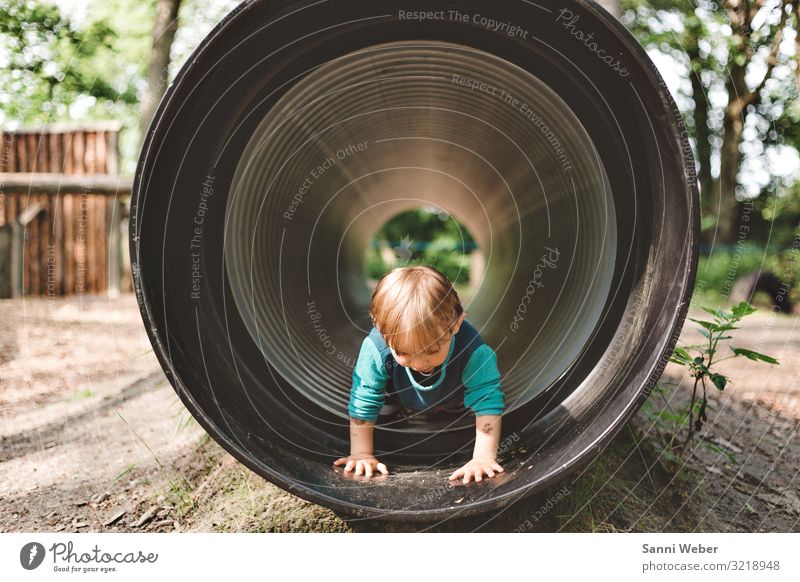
[751, 97]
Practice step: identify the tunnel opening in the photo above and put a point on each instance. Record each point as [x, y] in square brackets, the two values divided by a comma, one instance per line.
[426, 235]
[271, 163]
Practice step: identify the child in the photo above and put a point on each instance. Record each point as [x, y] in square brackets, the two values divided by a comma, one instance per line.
[425, 354]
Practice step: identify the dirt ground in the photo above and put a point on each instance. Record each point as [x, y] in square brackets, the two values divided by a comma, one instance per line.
[93, 438]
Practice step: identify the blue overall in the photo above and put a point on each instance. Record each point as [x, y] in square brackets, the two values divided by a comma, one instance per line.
[468, 379]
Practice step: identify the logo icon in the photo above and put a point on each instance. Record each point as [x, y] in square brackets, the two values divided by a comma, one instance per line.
[31, 555]
[405, 250]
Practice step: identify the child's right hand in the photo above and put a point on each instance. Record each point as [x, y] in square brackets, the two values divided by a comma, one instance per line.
[363, 464]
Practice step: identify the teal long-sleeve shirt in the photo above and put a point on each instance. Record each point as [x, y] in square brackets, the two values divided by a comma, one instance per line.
[468, 376]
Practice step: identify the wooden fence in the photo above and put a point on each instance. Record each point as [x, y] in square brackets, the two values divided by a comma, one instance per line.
[65, 238]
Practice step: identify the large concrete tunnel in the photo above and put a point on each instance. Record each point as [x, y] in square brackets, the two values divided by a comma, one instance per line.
[297, 129]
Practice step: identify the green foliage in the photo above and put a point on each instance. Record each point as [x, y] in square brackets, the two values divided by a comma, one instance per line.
[423, 236]
[374, 267]
[776, 215]
[698, 38]
[444, 254]
[50, 62]
[701, 362]
[427, 224]
[60, 63]
[718, 272]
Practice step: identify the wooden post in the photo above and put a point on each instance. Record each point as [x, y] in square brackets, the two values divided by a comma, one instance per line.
[114, 247]
[17, 259]
[6, 258]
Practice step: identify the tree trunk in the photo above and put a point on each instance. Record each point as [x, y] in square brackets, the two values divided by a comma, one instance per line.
[166, 24]
[724, 205]
[797, 42]
[709, 188]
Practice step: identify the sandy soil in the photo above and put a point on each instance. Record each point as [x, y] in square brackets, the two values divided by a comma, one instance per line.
[93, 438]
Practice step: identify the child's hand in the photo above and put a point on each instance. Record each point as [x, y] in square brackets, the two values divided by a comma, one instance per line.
[476, 468]
[363, 464]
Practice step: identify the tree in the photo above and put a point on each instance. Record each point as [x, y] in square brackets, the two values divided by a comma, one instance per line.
[49, 63]
[166, 25]
[720, 44]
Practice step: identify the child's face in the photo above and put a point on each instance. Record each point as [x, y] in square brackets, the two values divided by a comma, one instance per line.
[435, 355]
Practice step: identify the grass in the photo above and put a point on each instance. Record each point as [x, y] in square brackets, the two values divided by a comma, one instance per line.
[630, 488]
[83, 394]
[231, 498]
[180, 493]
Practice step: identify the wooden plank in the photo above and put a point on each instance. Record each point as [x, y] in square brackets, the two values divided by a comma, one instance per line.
[82, 227]
[69, 218]
[78, 152]
[50, 251]
[69, 245]
[79, 249]
[101, 165]
[73, 126]
[56, 141]
[3, 168]
[25, 165]
[34, 228]
[112, 152]
[101, 245]
[58, 245]
[90, 153]
[90, 165]
[42, 152]
[22, 156]
[114, 223]
[57, 151]
[53, 184]
[43, 161]
[99, 248]
[13, 201]
[91, 245]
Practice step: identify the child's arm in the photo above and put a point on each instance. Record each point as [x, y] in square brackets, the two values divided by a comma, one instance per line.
[366, 397]
[484, 396]
[361, 456]
[484, 454]
[487, 436]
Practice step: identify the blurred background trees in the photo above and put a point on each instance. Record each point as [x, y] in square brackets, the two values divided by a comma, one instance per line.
[731, 67]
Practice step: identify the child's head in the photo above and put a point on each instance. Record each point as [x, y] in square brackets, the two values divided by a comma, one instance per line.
[417, 311]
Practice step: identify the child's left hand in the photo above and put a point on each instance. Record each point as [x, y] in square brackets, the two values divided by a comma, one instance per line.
[476, 468]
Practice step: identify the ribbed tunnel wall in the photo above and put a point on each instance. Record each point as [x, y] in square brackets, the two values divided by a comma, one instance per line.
[297, 130]
[424, 140]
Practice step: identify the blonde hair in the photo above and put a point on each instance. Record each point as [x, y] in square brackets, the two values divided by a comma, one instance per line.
[414, 307]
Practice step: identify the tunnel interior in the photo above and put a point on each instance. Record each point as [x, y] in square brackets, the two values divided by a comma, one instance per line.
[387, 129]
[272, 163]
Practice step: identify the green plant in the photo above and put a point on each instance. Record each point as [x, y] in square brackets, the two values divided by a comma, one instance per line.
[702, 361]
[179, 493]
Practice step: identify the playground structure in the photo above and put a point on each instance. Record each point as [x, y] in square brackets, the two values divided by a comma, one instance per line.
[297, 129]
